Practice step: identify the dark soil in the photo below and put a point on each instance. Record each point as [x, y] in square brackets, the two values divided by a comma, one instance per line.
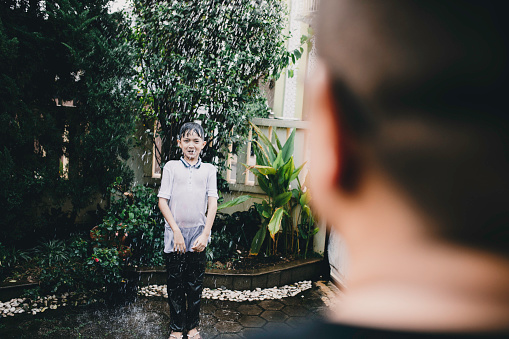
[27, 272]
[245, 261]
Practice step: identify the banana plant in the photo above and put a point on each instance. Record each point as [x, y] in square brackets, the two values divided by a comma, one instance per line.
[234, 202]
[275, 170]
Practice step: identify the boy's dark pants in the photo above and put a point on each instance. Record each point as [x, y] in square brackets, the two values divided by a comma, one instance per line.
[185, 273]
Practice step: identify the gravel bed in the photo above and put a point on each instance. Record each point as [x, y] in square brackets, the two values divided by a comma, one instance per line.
[52, 302]
[233, 295]
[41, 304]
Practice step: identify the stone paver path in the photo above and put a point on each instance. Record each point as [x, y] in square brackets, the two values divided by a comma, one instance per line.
[228, 319]
[149, 317]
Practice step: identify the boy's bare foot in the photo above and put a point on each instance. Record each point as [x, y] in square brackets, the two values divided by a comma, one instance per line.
[193, 334]
[176, 335]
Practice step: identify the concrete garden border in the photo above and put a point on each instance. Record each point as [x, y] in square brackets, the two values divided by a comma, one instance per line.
[265, 277]
[277, 275]
[14, 290]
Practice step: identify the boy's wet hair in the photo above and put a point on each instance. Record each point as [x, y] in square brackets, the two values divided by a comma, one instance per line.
[421, 94]
[190, 127]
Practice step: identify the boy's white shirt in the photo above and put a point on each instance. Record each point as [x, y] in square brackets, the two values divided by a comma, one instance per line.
[183, 185]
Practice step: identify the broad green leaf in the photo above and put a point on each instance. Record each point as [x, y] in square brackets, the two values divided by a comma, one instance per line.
[266, 214]
[295, 173]
[259, 208]
[282, 199]
[269, 154]
[264, 139]
[234, 202]
[257, 242]
[279, 161]
[281, 181]
[264, 185]
[287, 170]
[287, 150]
[278, 142]
[305, 198]
[275, 222]
[265, 170]
[253, 169]
[266, 210]
[266, 206]
[261, 156]
[306, 210]
[292, 167]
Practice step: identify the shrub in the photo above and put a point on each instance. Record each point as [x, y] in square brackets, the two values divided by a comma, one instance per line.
[62, 265]
[105, 266]
[133, 220]
[68, 266]
[78, 247]
[51, 252]
[232, 232]
[10, 257]
[62, 277]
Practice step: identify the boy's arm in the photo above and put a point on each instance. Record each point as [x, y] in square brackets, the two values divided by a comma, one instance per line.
[211, 215]
[200, 243]
[178, 240]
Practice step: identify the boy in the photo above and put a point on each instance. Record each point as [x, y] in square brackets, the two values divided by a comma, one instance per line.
[188, 191]
[410, 163]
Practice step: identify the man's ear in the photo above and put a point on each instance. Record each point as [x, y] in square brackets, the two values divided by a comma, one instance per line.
[326, 133]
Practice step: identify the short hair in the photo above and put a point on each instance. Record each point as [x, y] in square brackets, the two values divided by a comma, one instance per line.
[420, 89]
[189, 127]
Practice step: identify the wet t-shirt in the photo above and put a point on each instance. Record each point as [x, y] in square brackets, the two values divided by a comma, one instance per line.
[187, 188]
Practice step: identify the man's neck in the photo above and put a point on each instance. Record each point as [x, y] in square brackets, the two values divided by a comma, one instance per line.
[434, 289]
[400, 276]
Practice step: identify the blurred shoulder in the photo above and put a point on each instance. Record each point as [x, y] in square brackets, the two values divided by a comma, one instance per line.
[325, 329]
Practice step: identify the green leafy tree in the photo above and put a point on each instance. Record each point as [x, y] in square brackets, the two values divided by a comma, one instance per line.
[203, 60]
[60, 51]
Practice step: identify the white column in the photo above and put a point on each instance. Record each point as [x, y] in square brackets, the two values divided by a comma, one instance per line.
[293, 43]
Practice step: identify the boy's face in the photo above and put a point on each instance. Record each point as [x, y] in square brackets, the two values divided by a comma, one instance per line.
[191, 145]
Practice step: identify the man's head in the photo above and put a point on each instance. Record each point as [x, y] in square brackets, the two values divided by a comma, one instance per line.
[190, 140]
[416, 91]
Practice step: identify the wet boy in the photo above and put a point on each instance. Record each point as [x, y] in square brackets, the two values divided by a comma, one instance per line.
[188, 202]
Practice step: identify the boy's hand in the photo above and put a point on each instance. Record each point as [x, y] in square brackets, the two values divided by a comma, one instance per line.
[178, 242]
[200, 243]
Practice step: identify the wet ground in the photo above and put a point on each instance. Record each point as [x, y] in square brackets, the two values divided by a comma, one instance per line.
[149, 318]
